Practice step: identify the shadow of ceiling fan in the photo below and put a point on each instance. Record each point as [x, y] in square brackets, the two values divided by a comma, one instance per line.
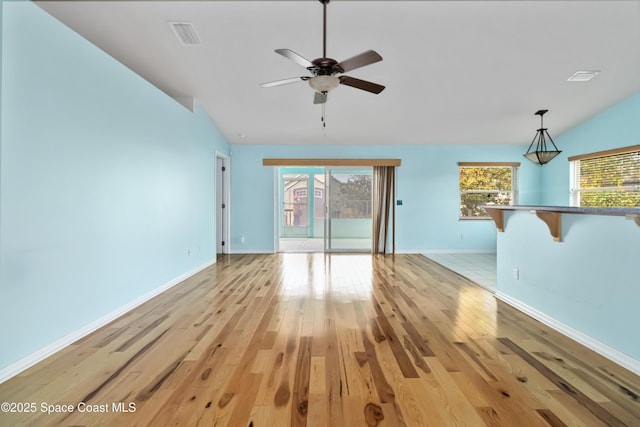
[325, 72]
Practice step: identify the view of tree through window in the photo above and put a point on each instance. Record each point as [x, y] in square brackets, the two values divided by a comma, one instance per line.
[352, 196]
[608, 181]
[487, 185]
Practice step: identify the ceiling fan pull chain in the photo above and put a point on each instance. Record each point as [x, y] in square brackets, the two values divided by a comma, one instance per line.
[324, 123]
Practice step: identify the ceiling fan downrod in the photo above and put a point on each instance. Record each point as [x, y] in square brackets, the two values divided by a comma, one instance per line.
[324, 27]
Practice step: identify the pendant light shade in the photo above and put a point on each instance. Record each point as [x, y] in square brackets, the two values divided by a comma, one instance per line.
[542, 154]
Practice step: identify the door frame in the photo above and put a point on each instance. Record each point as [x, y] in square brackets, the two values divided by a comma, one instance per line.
[222, 214]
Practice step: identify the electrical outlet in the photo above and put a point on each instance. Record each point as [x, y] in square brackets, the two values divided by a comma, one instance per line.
[516, 274]
[188, 252]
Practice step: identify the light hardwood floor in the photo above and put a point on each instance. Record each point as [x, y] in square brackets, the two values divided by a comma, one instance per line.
[325, 340]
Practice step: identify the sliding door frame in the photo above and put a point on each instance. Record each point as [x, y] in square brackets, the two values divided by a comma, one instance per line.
[320, 162]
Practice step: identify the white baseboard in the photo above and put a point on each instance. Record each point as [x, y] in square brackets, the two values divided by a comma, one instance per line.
[252, 251]
[612, 354]
[48, 350]
[398, 251]
[457, 251]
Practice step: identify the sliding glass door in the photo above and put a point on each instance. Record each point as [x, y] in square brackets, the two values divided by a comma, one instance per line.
[295, 206]
[348, 225]
[325, 209]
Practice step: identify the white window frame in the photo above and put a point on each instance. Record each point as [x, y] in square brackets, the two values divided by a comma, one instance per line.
[575, 191]
[300, 192]
[514, 184]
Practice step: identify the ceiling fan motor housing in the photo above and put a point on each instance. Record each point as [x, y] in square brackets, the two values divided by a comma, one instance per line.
[323, 70]
[325, 67]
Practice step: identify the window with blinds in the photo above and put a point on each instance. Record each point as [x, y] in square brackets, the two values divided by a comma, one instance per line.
[486, 183]
[606, 178]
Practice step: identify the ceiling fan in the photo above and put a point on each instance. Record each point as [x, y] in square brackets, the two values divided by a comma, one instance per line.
[324, 70]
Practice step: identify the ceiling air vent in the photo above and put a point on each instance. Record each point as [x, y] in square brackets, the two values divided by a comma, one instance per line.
[186, 33]
[583, 76]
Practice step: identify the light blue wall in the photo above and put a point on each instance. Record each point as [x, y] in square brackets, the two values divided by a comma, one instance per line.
[107, 183]
[589, 281]
[1, 110]
[427, 183]
[618, 126]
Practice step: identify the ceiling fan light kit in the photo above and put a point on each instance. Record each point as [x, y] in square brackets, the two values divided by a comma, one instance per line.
[324, 84]
[324, 71]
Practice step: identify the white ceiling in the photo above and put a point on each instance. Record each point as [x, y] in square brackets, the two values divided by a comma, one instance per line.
[456, 72]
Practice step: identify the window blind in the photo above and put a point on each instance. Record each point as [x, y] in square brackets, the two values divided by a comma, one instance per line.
[609, 180]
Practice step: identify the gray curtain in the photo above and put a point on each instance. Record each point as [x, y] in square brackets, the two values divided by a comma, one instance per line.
[383, 208]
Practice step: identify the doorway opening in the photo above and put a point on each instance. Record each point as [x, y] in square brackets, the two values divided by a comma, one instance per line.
[325, 209]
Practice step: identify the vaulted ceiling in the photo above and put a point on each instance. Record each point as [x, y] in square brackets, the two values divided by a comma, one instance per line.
[456, 72]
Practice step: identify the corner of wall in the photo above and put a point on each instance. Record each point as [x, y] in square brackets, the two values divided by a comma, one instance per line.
[125, 173]
[1, 127]
[188, 102]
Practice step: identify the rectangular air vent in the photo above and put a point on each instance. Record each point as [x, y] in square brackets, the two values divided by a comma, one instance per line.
[583, 76]
[186, 33]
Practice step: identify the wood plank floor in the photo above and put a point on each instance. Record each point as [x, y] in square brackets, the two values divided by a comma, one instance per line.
[324, 340]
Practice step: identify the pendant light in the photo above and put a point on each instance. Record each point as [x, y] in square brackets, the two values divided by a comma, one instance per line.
[542, 153]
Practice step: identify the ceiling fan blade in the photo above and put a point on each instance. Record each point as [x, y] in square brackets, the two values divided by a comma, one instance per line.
[300, 60]
[365, 58]
[319, 98]
[361, 84]
[285, 81]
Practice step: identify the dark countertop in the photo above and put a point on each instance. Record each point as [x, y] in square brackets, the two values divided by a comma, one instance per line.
[568, 209]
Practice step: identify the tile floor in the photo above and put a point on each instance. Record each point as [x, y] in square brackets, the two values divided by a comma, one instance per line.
[478, 267]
